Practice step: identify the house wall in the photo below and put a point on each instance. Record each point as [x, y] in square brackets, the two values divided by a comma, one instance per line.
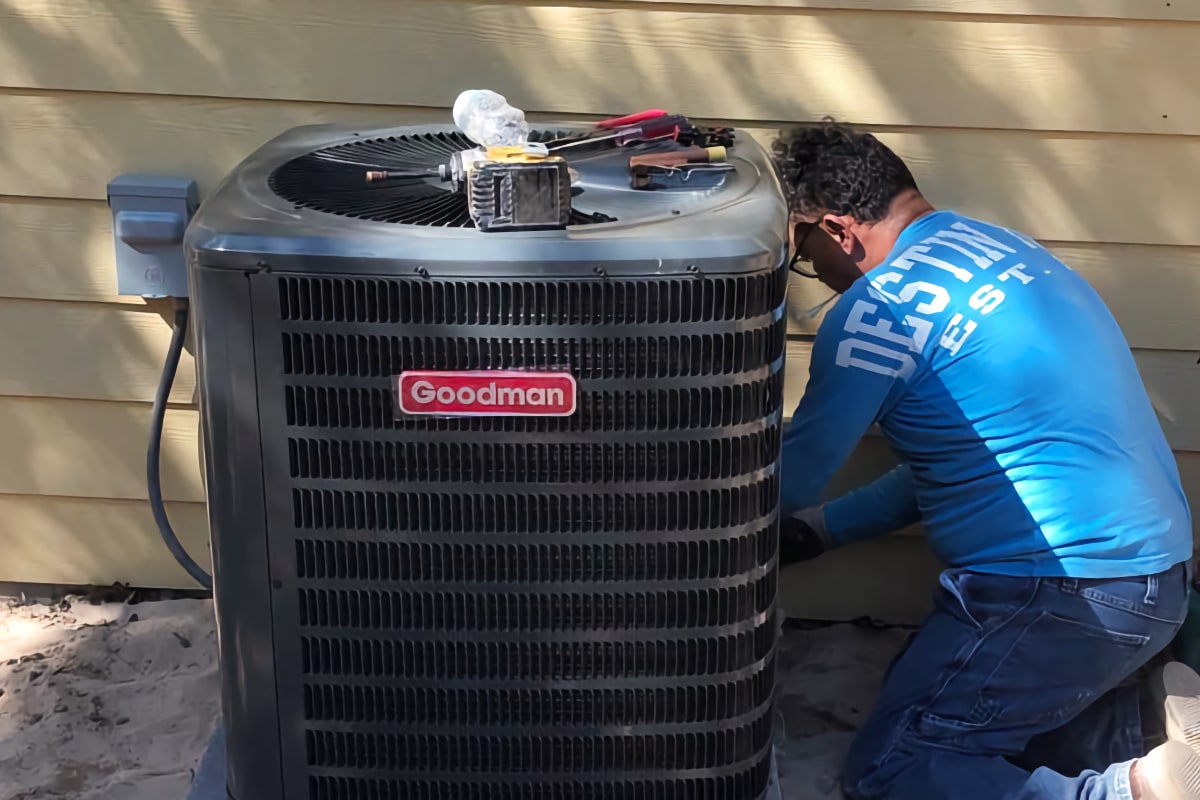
[1077, 121]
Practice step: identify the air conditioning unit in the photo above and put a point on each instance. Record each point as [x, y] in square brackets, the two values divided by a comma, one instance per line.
[494, 515]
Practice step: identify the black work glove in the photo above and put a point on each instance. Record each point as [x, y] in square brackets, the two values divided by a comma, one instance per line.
[802, 536]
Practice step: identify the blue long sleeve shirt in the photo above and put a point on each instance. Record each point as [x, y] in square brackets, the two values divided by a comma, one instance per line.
[1027, 441]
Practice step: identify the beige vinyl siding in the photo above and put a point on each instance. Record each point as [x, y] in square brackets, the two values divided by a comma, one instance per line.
[1084, 9]
[1077, 121]
[82, 541]
[771, 63]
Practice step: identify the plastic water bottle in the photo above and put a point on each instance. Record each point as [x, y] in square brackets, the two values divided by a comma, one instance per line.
[488, 120]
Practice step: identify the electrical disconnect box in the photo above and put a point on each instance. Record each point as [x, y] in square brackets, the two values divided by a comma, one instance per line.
[150, 214]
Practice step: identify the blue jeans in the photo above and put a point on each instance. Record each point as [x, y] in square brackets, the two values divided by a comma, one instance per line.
[1010, 678]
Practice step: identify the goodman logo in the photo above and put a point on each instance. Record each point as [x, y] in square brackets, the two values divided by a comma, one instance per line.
[487, 393]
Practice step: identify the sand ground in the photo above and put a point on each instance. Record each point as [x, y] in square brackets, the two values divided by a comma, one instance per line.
[108, 701]
[117, 700]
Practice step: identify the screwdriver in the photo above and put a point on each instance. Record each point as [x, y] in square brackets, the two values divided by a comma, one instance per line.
[676, 158]
[667, 126]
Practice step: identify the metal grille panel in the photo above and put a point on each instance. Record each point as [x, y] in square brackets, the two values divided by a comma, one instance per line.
[503, 659]
[701, 785]
[544, 563]
[751, 403]
[610, 302]
[369, 356]
[500, 707]
[503, 608]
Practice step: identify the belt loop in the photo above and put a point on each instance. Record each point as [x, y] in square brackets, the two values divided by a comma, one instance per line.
[1070, 585]
[1151, 590]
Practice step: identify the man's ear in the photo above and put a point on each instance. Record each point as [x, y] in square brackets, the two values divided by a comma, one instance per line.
[841, 230]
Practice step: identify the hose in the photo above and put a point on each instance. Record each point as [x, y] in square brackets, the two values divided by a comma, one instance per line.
[154, 451]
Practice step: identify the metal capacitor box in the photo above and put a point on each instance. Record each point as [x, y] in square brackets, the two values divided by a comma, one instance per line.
[519, 193]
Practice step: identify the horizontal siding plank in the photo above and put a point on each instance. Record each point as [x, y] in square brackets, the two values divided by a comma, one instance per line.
[1172, 380]
[84, 140]
[86, 449]
[88, 351]
[1177, 10]
[1052, 186]
[57, 250]
[1152, 291]
[1056, 187]
[83, 542]
[892, 68]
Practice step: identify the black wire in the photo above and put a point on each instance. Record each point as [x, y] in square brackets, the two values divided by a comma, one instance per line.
[154, 451]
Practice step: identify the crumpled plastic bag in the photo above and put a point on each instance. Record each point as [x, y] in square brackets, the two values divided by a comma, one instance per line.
[488, 120]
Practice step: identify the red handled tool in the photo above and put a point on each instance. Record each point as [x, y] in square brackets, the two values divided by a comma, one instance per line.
[664, 126]
[631, 119]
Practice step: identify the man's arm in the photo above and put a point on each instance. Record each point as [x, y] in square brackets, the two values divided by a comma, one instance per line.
[882, 507]
[855, 375]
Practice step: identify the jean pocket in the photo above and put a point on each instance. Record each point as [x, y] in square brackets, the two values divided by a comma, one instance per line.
[983, 601]
[1030, 679]
[1169, 604]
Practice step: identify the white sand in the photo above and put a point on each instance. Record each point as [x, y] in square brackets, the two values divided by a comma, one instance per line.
[117, 702]
[105, 702]
[827, 682]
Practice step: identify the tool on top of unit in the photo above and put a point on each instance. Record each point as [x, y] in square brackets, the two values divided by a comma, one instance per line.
[670, 159]
[674, 153]
[647, 127]
[692, 168]
[516, 187]
[513, 184]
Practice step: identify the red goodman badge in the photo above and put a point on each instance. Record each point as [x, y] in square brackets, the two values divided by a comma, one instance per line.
[487, 393]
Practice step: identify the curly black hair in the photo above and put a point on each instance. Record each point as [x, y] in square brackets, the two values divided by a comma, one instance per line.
[833, 169]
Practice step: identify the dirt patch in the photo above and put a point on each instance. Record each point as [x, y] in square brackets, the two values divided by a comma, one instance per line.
[828, 680]
[104, 701]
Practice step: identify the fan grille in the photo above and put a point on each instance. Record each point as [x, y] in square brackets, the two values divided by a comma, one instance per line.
[333, 180]
[469, 608]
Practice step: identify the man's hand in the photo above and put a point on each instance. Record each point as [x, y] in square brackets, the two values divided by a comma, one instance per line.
[803, 536]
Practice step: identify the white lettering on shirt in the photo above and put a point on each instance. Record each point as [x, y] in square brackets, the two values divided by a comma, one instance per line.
[915, 305]
[986, 299]
[957, 333]
[1016, 272]
[905, 366]
[856, 324]
[919, 254]
[980, 261]
[981, 241]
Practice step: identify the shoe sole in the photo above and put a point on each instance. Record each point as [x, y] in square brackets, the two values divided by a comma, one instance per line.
[1177, 692]
[1178, 772]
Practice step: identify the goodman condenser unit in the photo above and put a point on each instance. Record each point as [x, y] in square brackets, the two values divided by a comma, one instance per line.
[492, 463]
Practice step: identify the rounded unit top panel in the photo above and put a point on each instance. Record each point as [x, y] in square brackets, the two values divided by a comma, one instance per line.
[333, 199]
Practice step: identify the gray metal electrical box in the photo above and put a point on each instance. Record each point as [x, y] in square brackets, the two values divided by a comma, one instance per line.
[150, 214]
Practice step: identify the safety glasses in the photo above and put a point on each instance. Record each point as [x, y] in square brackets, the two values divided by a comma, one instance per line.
[798, 256]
